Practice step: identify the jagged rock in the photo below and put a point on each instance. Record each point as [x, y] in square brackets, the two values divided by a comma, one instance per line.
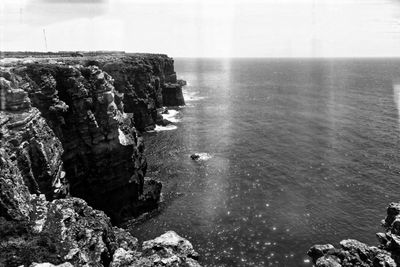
[34, 154]
[12, 98]
[356, 247]
[328, 261]
[151, 195]
[355, 253]
[124, 239]
[181, 82]
[169, 249]
[123, 258]
[14, 195]
[170, 242]
[46, 264]
[383, 238]
[70, 231]
[318, 251]
[395, 226]
[384, 259]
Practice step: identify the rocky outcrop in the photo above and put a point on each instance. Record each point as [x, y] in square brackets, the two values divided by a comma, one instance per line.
[146, 84]
[68, 232]
[168, 249]
[69, 128]
[30, 153]
[355, 253]
[172, 95]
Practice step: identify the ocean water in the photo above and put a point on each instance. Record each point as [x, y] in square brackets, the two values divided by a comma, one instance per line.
[295, 152]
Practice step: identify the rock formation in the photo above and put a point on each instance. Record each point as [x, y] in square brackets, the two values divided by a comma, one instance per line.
[355, 253]
[96, 107]
[70, 126]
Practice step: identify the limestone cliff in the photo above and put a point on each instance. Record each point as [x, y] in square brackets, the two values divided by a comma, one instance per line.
[96, 107]
[71, 127]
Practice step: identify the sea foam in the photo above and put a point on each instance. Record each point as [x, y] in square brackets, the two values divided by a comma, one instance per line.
[165, 128]
[171, 115]
[204, 156]
[191, 96]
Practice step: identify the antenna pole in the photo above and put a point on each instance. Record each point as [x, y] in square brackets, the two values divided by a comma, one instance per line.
[45, 39]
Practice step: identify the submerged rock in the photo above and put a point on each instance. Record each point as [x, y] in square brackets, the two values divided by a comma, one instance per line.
[318, 251]
[195, 156]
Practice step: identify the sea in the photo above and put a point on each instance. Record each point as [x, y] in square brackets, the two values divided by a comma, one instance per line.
[293, 152]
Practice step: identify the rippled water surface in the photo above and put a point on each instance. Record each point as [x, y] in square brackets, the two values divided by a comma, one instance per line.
[297, 152]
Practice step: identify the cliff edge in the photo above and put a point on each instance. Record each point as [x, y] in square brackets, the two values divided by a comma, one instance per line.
[70, 136]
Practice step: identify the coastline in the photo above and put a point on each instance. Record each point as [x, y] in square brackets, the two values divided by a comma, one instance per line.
[31, 123]
[71, 127]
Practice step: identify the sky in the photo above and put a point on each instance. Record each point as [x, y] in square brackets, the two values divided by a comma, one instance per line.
[205, 28]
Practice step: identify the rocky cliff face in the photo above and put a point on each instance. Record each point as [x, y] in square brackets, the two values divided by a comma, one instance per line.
[355, 253]
[71, 126]
[95, 107]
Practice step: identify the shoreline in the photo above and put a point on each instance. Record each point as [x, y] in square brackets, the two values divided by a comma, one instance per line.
[103, 107]
[73, 127]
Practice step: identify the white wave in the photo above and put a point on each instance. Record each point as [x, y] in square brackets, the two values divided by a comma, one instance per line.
[203, 156]
[169, 127]
[171, 115]
[190, 96]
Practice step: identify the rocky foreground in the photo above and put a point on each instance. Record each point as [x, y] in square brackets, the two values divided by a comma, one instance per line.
[355, 253]
[72, 157]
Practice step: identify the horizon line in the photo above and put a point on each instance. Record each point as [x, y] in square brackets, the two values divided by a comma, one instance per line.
[206, 57]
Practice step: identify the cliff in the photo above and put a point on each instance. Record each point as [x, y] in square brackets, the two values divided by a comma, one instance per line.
[96, 108]
[70, 126]
[355, 253]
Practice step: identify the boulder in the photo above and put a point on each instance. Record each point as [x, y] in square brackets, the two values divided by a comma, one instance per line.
[328, 261]
[356, 253]
[47, 264]
[318, 251]
[170, 249]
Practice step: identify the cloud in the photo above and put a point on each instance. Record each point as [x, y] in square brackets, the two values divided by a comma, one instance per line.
[207, 27]
[46, 12]
[96, 2]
